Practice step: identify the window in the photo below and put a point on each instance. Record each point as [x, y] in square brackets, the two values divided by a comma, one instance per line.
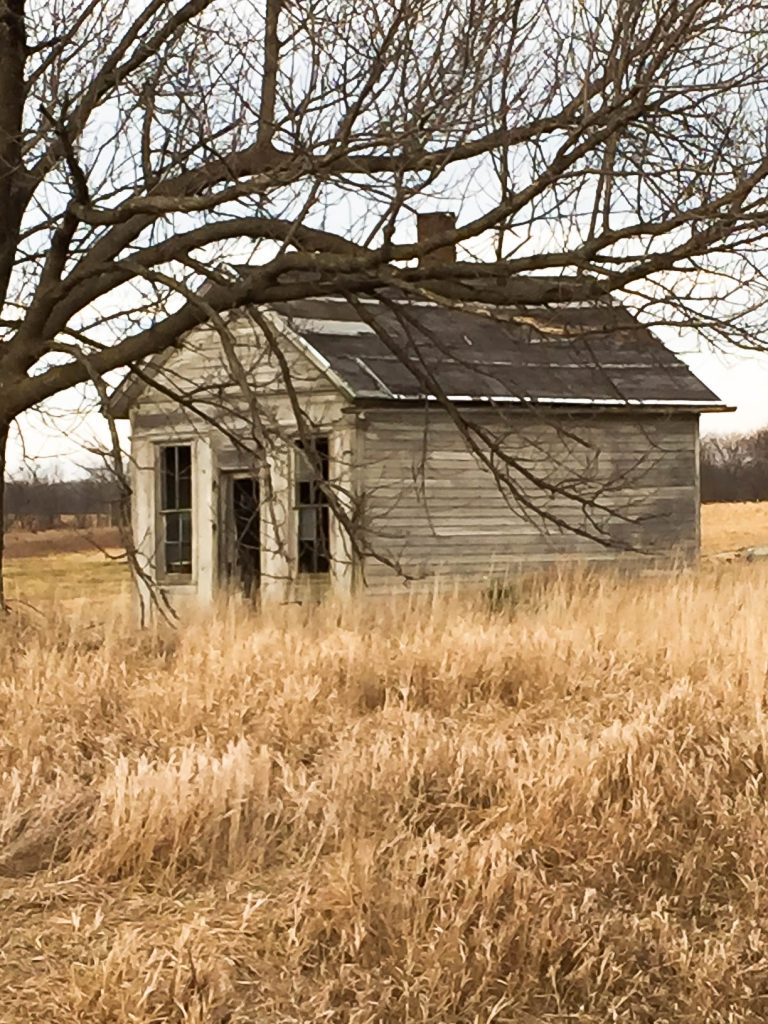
[312, 466]
[176, 508]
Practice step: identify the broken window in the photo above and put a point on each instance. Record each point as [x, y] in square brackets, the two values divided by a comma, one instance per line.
[313, 513]
[176, 508]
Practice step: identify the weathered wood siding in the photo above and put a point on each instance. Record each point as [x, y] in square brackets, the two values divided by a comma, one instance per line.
[424, 502]
[431, 506]
[226, 437]
[202, 370]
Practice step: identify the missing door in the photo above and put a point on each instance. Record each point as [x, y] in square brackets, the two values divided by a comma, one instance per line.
[242, 559]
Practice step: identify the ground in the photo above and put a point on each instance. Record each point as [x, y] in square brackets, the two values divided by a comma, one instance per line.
[544, 810]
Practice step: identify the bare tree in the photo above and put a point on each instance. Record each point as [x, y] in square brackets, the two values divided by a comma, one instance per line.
[45, 500]
[592, 147]
[735, 467]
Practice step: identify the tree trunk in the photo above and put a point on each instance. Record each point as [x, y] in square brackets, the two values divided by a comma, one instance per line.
[3, 447]
[13, 56]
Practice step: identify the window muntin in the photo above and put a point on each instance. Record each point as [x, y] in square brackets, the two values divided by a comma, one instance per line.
[312, 507]
[176, 508]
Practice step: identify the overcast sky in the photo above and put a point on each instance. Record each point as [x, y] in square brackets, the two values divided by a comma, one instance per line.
[741, 381]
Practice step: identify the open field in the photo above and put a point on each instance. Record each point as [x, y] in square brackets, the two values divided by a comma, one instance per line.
[66, 566]
[552, 811]
[548, 811]
[91, 576]
[63, 541]
[731, 527]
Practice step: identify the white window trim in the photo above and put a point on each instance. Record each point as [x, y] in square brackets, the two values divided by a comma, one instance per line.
[172, 579]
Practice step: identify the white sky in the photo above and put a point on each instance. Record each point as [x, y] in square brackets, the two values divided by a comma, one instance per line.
[58, 441]
[740, 380]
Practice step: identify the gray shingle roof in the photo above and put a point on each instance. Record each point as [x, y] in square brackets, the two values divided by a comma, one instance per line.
[590, 355]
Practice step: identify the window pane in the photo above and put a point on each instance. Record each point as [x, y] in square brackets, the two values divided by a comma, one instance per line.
[184, 477]
[176, 477]
[312, 461]
[321, 451]
[172, 528]
[168, 478]
[307, 524]
[178, 542]
[303, 466]
[185, 545]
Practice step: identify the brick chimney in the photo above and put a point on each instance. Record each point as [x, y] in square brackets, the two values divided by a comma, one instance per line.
[431, 224]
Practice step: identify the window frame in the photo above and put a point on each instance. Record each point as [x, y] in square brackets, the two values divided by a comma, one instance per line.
[320, 505]
[165, 574]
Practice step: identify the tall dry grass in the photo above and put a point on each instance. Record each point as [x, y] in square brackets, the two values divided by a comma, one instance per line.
[548, 809]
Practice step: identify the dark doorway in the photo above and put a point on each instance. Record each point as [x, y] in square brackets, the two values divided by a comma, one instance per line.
[244, 522]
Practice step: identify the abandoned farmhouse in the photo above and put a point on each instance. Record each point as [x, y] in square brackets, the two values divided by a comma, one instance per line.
[321, 444]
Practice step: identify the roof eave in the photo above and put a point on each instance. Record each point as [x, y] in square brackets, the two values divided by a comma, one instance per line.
[118, 404]
[679, 406]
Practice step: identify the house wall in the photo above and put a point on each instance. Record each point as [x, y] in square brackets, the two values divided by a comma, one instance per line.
[228, 434]
[432, 506]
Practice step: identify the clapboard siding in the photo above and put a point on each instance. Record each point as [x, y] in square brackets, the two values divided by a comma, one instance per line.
[431, 506]
[418, 495]
[200, 370]
[226, 439]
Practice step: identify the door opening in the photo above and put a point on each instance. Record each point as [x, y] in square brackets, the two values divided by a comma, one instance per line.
[244, 534]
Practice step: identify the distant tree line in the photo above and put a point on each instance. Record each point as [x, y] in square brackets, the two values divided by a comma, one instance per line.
[735, 467]
[39, 502]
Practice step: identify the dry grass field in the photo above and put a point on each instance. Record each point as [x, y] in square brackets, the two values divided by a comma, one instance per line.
[549, 810]
[731, 527]
[66, 567]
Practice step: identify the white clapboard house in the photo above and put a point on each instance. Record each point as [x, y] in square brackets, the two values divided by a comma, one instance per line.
[329, 446]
